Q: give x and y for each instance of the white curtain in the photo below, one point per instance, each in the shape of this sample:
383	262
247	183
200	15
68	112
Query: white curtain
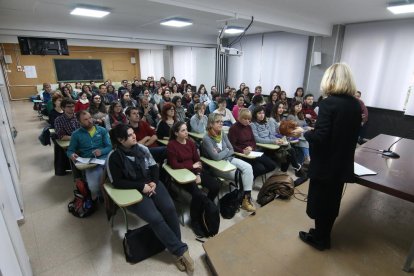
151	63
381	56
269	59
196	65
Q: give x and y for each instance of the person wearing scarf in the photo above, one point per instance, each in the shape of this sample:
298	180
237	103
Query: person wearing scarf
131	166
115	116
82	103
217	146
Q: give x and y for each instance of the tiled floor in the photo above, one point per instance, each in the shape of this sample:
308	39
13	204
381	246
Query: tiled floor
371	237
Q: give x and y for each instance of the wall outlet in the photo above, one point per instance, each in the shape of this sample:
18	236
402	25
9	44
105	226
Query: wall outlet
19	68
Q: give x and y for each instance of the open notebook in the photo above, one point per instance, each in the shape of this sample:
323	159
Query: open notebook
361	170
90	161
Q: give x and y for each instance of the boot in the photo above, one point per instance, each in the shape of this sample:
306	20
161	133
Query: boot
185	262
247	204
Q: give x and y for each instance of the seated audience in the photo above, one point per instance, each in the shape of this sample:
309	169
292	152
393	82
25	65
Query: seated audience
82	103
271	103
46	93
158	97
127	101
179	109
190	109
175	92
228	118
242	139
298	96
166	98
308	109
212	106
106	97
112	91
145	135
87	90
296	115
186	99
256	102
198	121
182	154
231	99
204	97
97	109
264	131
65	92
57	109
90	141
239	105
122	89
66	124
247	96
216	146
284	100
115	116
168	118
149	112
241	87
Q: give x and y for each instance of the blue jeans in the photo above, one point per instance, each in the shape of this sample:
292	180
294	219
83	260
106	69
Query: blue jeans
94	177
159	154
159	211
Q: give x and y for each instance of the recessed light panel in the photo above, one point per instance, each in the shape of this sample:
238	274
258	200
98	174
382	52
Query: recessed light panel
83	11
177	22
401	7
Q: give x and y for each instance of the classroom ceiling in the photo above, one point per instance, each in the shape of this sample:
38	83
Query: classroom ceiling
137	21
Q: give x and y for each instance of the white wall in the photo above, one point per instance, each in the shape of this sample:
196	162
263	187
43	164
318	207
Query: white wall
196	65
381	56
268	60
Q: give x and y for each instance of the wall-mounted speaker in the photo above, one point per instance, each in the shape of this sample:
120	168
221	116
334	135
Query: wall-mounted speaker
317	58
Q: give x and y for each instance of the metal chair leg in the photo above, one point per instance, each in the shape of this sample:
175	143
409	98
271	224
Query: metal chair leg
125	218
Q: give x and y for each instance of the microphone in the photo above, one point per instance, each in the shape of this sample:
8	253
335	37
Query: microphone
389	153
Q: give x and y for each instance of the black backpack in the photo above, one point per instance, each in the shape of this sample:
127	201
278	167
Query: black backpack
44	137
82	205
205	216
230	203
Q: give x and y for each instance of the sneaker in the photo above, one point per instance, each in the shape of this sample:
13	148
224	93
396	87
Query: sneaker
299	181
247	204
185	262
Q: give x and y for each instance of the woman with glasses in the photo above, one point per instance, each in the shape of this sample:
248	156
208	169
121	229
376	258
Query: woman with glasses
228	118
115	116
168	118
97	109
182	154
217	146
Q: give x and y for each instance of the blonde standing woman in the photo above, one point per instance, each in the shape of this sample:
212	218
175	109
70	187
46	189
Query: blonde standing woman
332	148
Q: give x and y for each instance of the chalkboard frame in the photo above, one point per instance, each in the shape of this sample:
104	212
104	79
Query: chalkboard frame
98	76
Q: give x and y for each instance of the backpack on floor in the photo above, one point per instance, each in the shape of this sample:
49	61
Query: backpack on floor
205	216
278	185
44	137
82	205
230	203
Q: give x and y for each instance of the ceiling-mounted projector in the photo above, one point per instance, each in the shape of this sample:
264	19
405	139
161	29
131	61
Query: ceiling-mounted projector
230	51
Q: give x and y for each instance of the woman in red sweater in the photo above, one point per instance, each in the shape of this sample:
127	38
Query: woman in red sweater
182	154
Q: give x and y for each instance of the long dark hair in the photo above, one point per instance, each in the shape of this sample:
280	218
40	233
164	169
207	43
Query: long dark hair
292	110
274	114
175	128
93	109
119	132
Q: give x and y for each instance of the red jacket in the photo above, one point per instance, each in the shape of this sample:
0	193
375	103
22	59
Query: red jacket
241	136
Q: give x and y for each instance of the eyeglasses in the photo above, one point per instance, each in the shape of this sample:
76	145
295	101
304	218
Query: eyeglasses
219	122
172	109
97	98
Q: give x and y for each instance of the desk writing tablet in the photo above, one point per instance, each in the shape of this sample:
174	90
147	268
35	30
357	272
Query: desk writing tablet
221	165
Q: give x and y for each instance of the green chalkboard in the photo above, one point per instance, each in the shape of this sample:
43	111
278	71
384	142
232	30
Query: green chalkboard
71	70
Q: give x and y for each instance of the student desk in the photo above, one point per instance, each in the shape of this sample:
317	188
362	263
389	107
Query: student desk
64	144
181	176
195	135
394	176
163	141
221	165
268	146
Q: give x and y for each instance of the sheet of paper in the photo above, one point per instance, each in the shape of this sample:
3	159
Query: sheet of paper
361	170
83	160
255	154
97	161
30	72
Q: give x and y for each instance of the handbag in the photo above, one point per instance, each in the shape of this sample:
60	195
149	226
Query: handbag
140	244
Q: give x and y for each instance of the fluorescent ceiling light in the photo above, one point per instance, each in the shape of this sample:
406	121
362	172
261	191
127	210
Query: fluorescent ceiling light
401	7
233	30
89	11
177	22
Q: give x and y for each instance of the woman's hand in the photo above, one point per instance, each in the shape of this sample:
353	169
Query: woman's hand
197	165
297	132
247	150
279	141
198	179
147	189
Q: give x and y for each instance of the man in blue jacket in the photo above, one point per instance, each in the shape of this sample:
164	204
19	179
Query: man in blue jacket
90	141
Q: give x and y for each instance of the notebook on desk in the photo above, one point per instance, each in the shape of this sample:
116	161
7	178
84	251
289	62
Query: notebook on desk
90	161
360	170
